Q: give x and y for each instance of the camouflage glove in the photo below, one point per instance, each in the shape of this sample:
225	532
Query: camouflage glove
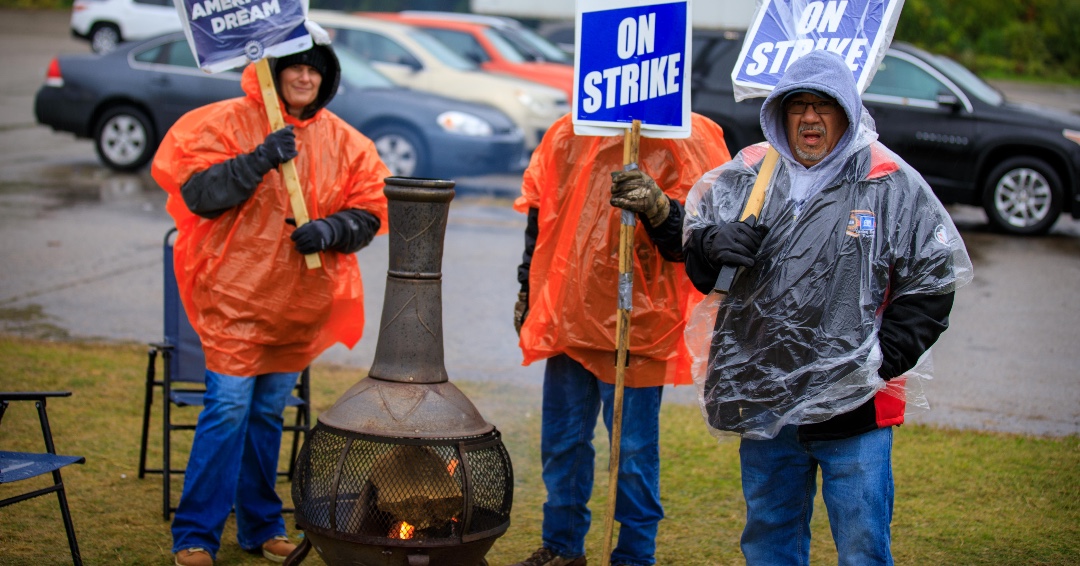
637	192
521	308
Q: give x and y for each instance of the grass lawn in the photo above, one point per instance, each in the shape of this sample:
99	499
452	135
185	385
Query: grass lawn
961	497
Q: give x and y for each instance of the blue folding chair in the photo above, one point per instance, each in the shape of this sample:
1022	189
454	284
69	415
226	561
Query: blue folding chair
18	466
185	366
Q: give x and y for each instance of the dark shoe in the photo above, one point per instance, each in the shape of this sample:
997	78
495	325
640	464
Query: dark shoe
277	549
547	557
193	557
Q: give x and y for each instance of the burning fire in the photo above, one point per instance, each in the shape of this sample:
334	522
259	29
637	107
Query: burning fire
452	466
402	531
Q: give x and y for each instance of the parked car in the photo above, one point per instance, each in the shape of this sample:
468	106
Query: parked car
106	23
531	44
126	100
413	58
489	45
1019	162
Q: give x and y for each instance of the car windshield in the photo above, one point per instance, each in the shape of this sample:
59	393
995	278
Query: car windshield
504	47
531	45
359	73
968	80
441	51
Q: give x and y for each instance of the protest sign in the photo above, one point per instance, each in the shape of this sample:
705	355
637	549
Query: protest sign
225	34
631	63
784	30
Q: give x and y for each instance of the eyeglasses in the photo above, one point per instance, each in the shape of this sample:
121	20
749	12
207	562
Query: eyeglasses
820	107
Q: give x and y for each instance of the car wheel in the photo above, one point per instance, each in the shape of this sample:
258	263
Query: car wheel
401	150
124	138
104	38
1023	196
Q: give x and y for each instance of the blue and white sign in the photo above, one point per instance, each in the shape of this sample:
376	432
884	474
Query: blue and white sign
225	34
784	30
632	63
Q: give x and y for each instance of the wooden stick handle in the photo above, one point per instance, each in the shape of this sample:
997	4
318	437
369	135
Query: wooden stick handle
288	169
750	214
631	146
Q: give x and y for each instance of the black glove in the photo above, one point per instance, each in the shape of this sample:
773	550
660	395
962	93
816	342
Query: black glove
278	147
521	308
734	243
313	237
637	192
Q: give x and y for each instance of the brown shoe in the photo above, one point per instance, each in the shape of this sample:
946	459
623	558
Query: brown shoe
277	549
193	557
546	557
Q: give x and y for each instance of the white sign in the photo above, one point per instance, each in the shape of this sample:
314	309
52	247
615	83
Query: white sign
632	63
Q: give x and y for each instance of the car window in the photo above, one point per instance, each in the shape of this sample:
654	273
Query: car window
535	41
968	80
896	77
504	47
461	42
179	54
374	47
357	72
440	51
155	54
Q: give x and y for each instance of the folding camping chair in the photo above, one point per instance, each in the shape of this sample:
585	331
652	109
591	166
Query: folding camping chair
183	385
17	466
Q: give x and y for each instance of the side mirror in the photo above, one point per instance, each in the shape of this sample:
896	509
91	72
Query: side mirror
948	100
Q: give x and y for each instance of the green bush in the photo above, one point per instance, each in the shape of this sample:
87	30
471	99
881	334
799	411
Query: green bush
1032	39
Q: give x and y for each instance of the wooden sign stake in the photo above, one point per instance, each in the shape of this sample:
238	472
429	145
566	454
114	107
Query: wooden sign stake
288	169
631	145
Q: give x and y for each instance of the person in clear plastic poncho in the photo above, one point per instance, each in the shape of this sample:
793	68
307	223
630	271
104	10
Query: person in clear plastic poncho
573	191
846	281
261	314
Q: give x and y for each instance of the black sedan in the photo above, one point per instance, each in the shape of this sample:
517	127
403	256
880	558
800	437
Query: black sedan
1020	163
126	100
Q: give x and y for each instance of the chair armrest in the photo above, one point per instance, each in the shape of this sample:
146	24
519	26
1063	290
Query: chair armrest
31	395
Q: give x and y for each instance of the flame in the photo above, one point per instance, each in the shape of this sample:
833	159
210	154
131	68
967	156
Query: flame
402	530
452	466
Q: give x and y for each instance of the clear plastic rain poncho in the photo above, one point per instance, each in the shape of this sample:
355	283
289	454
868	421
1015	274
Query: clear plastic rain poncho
795	341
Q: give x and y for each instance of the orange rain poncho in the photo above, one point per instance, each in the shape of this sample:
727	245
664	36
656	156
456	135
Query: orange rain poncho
574	277
246	289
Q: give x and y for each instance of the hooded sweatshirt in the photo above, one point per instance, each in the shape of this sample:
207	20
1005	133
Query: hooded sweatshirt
851	285
245	288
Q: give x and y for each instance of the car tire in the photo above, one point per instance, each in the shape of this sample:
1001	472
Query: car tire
401	150
104	38
1023	195
124	138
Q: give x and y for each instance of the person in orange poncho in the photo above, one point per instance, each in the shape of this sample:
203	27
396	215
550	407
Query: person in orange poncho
262	315
572	192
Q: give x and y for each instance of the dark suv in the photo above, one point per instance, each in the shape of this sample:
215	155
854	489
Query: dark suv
1020	163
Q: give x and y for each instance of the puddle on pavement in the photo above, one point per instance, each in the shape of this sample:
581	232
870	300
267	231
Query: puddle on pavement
57	192
30	322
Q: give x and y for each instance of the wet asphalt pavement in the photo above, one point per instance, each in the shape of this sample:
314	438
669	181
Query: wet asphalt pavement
81	249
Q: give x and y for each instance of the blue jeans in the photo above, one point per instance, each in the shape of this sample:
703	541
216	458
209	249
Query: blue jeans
233	463
571	404
779	478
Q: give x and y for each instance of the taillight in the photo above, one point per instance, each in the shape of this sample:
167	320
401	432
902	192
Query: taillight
52	76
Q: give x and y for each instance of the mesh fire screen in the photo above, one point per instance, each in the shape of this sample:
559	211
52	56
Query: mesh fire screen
403	492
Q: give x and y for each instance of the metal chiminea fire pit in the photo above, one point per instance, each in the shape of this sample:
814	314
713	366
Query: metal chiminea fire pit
403	470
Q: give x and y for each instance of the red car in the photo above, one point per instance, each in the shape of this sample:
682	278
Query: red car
489	43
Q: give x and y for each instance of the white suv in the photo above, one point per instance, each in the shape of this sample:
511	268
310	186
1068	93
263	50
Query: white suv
104	23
